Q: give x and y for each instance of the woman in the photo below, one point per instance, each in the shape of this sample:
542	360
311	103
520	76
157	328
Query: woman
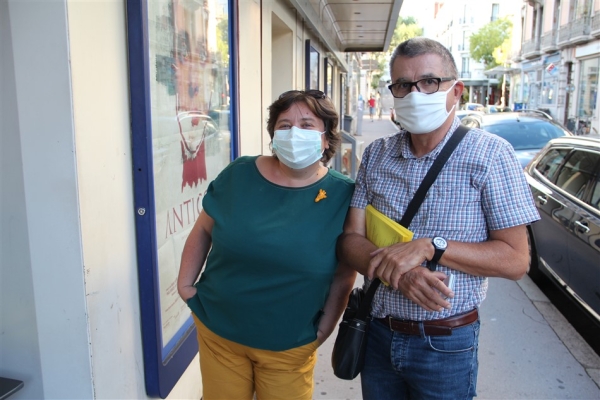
272	290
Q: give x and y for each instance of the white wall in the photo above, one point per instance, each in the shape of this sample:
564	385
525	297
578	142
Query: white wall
252	114
19	350
98	44
42	121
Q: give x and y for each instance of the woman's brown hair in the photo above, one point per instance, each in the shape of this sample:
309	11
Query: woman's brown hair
320	105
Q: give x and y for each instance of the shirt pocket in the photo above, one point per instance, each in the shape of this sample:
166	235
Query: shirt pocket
456	209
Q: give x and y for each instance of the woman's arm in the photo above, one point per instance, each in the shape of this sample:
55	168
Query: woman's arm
343	282
194	254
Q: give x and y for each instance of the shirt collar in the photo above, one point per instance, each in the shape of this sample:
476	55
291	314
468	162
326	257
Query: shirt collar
402	147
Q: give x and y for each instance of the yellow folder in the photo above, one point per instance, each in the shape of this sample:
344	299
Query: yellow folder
383	231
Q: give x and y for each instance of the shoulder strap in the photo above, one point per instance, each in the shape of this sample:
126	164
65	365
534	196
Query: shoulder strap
432	174
416	201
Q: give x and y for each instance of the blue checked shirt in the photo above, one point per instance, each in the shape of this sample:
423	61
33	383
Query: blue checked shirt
481	188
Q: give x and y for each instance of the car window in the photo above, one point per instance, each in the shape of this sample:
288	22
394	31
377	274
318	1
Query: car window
524	136
550	162
575	174
595	198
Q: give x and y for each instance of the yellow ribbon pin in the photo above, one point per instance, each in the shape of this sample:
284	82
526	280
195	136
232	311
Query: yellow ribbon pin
322	195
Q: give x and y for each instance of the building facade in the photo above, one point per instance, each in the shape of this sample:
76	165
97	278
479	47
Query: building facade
454	22
559	61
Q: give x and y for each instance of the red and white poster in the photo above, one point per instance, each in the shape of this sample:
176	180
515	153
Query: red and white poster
191	138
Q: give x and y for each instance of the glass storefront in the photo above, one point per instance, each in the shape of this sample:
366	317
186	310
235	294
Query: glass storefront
588	89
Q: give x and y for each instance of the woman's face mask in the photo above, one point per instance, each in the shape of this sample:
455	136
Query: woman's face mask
297	148
422	113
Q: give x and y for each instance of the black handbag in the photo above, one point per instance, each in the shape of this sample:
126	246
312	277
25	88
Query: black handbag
348	356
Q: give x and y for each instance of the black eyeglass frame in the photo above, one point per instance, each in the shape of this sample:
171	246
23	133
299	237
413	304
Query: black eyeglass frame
317	94
415	84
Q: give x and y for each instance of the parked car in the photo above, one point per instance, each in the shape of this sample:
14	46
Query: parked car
473	107
527	132
463	113
565	244
490	109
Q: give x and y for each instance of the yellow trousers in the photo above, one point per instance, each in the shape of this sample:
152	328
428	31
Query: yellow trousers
231	371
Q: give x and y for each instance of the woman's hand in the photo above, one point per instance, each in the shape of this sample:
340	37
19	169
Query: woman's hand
187	292
194	255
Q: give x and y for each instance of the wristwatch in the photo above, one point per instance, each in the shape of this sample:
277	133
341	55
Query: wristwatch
439	244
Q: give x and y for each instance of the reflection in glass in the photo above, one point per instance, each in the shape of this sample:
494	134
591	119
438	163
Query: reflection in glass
588	88
191	138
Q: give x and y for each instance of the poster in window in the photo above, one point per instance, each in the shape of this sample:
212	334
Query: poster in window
180	98
312	67
328	78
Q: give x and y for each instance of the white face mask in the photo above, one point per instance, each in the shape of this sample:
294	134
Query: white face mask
297	148
422	113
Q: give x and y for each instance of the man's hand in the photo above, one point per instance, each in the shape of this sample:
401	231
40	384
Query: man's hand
390	263
426	288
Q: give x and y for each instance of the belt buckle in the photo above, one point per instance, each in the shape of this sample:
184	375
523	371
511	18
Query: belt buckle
389	323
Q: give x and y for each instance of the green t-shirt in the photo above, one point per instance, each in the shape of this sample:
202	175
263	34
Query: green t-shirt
272	259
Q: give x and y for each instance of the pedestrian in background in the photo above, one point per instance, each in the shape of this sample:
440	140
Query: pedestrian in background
272	290
360	110
422	343
371	107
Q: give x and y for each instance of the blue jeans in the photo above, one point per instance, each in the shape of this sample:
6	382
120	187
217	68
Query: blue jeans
400	366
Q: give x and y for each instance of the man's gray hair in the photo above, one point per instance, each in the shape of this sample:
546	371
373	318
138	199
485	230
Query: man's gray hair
420	45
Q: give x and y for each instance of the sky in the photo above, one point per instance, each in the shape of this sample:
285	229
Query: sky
415	8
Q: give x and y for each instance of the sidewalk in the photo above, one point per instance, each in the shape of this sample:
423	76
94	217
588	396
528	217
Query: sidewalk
527	349
374	130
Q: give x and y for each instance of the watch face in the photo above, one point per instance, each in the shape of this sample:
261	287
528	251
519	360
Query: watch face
440	242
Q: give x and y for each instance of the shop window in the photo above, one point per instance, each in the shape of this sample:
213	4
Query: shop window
181	90
588	88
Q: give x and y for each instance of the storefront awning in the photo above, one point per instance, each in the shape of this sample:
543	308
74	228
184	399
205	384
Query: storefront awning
350	25
500	70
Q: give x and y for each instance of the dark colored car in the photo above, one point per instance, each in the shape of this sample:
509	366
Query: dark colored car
527	132
565	244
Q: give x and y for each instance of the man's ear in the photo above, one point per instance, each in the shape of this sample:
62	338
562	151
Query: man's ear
459	87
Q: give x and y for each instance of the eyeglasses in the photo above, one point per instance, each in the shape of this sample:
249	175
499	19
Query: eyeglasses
427	86
317	94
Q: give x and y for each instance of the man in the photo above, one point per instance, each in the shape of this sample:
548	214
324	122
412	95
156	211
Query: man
371	107
422	343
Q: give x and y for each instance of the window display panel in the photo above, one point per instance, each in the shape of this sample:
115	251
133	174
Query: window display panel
182	139
588	88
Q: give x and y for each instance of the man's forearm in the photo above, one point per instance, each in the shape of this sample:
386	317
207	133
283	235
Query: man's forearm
355	250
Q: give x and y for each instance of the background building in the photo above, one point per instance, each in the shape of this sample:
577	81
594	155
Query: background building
453	23
559	61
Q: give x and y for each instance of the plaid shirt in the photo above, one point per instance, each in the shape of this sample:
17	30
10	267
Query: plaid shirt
481	188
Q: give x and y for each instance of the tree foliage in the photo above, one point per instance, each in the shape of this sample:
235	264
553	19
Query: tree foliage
489	39
406	28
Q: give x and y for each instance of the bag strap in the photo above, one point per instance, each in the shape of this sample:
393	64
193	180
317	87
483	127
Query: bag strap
432	174
418	198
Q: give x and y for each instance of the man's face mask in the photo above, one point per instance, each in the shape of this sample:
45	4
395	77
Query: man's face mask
422	113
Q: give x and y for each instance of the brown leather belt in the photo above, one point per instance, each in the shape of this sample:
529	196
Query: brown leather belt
435	327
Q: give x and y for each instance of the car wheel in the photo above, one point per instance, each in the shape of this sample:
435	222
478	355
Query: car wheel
534	260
